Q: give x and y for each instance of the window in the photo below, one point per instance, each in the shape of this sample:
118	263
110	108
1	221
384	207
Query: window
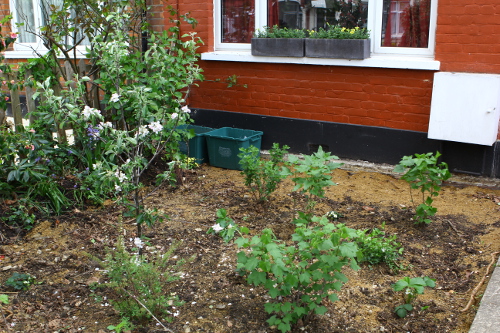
397	26
34	14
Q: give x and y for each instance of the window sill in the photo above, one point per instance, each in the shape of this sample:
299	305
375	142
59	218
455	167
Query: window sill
380	61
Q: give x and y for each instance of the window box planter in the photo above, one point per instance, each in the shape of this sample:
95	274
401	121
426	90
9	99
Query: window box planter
337	48
278	47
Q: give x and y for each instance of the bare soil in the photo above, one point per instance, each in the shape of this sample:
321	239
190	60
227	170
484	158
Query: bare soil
455	250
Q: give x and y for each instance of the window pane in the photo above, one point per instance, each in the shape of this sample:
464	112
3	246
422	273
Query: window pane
405	23
25	14
238	21
314	14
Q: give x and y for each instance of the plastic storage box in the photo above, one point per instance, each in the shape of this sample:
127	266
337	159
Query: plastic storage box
196	147
224	145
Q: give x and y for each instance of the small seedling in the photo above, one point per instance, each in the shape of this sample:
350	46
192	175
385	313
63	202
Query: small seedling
412	288
20	281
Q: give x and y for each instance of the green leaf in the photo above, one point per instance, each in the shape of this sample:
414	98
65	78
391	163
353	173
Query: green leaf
4	299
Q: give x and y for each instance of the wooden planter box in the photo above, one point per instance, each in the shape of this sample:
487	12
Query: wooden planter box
338	48
278	47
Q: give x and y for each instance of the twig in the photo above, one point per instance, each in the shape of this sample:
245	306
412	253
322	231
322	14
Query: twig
5	318
152	315
454	228
474	292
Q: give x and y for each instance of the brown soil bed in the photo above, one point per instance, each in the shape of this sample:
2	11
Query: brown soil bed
455	250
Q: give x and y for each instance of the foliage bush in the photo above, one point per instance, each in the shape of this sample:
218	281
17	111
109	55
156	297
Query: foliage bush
262	176
311	174
300	274
423	173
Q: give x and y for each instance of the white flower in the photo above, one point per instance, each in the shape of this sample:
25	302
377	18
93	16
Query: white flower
155	126
88	112
185	109
115	98
216	227
118	188
143	131
230	226
120	175
102	125
138	242
174	115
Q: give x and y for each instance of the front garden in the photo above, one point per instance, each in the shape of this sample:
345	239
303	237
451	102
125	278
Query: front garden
107	226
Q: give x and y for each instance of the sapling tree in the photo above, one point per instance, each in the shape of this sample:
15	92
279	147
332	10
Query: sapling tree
423	173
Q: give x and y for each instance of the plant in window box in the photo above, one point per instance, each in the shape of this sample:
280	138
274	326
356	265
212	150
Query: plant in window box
278	42
338	42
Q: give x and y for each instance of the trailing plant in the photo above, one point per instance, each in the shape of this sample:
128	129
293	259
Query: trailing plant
20	281
140	284
262	176
312	174
298	275
21	216
337	32
411	287
377	248
277	32
423	173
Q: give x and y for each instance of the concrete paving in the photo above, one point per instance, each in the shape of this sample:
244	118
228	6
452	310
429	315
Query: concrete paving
487	318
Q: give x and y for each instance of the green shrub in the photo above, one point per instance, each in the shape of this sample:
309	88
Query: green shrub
423	173
262	176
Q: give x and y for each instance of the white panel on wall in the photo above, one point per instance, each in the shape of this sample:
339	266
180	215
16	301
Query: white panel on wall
465	108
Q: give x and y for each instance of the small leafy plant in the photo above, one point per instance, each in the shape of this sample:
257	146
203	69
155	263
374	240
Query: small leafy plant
423	172
20	281
262	176
300	275
141	285
312	174
124	325
412	287
378	248
277	32
337	32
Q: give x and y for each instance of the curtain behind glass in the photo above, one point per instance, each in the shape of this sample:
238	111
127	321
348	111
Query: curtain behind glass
406	23
25	15
238	21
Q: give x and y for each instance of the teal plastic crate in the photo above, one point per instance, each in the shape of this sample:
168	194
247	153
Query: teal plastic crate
224	145
195	147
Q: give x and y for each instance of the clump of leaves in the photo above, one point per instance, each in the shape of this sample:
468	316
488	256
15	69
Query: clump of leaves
423	173
20	281
377	247
312	174
411	287
262	176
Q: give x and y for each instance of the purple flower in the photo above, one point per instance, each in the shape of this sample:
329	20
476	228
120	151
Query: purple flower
93	133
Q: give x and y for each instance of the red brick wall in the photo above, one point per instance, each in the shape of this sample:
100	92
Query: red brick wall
468	36
467	40
366	96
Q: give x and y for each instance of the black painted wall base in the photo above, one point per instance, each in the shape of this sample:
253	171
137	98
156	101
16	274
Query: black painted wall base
373	144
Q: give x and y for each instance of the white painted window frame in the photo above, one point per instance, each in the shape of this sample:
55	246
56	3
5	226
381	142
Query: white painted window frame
375	12
30	50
